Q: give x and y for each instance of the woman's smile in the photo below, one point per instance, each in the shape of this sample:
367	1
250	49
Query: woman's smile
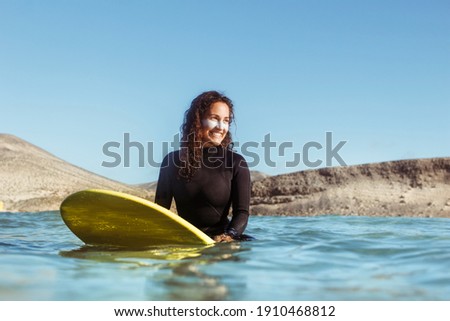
216	124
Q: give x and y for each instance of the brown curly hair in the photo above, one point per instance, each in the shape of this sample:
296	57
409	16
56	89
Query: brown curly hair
191	134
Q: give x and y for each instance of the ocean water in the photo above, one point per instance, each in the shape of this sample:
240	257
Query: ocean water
293	258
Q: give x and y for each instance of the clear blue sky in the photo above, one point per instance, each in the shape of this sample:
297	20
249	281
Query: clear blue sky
75	75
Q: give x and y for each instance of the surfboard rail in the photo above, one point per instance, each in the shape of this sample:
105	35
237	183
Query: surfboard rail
104	217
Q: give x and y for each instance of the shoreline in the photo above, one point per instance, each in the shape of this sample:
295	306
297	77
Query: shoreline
33	180
412	188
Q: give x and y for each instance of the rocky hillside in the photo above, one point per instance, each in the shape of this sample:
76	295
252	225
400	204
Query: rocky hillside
399	188
32	179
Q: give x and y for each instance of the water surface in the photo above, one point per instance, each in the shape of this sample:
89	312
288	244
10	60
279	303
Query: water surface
293	258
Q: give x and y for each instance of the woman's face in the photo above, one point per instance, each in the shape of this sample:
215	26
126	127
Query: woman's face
215	124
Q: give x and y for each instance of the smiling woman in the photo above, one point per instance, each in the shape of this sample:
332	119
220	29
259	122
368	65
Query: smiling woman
205	177
216	124
201	129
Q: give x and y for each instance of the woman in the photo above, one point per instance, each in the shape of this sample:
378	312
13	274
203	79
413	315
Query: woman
205	177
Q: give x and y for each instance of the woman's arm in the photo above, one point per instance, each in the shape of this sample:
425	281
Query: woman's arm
240	197
164	193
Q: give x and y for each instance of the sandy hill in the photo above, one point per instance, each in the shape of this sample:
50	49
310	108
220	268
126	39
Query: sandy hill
399	188
148	186
254	175
32	179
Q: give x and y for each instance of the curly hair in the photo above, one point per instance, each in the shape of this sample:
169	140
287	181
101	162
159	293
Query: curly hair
191	133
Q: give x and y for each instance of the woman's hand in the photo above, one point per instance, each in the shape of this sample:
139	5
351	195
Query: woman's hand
221	238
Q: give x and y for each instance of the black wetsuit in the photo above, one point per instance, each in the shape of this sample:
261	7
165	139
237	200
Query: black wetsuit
222	181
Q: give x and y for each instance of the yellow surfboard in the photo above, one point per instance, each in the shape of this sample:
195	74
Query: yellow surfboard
101	217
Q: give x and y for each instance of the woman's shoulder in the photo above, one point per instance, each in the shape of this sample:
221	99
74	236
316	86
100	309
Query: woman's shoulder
234	154
171	157
237	159
172	154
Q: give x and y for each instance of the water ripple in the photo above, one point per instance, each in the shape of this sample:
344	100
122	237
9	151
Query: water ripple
293	258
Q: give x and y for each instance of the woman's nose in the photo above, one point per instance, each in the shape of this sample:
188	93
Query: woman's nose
222	125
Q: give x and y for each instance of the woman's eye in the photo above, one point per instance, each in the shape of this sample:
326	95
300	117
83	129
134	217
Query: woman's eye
217	120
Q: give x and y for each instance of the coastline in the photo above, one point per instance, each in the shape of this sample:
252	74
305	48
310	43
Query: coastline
33	180
412	188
